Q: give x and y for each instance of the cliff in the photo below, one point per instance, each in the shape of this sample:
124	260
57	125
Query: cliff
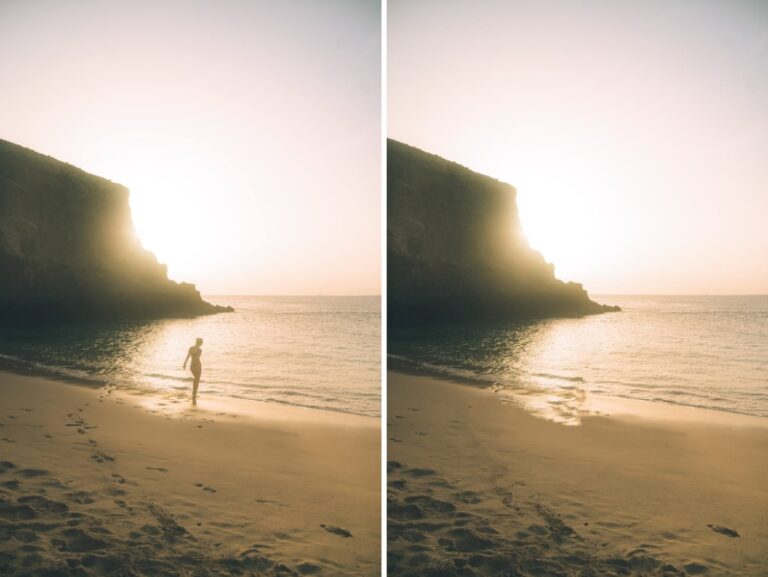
68	250
456	250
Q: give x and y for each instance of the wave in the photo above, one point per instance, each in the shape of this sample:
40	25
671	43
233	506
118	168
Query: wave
423	367
559	377
524	385
15	363
270	394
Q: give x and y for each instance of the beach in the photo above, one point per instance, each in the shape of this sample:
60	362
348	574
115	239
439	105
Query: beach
100	481
480	487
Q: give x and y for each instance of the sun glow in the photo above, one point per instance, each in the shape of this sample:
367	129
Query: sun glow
162	199
178	201
636	140
564	213
247	134
170	216
570	230
555	226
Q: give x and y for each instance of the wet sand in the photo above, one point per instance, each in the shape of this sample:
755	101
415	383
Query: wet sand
97	482
480	487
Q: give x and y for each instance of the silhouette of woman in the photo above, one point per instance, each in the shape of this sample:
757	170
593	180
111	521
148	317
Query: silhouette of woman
194	353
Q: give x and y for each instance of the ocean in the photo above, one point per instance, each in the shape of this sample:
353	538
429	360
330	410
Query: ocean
697	351
318	352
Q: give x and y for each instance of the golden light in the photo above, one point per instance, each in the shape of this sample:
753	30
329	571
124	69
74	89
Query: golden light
179	201
564	213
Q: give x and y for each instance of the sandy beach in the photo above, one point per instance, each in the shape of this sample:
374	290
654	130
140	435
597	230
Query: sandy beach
94	481
481	487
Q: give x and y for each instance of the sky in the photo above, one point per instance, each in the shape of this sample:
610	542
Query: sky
635	131
248	131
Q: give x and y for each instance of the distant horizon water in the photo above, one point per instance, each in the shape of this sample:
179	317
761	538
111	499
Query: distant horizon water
700	351
320	352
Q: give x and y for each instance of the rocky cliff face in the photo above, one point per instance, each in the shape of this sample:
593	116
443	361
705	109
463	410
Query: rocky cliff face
68	248
455	248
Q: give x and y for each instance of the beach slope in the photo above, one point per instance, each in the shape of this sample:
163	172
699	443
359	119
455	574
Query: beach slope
96	482
477	487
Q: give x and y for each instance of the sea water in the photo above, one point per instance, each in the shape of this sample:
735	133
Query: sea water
698	351
320	352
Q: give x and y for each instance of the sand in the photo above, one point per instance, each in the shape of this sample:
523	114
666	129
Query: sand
481	487
97	482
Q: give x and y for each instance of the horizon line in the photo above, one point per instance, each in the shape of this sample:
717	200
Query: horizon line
286	295
601	294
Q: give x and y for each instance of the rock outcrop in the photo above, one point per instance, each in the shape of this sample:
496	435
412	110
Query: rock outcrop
456	250
68	250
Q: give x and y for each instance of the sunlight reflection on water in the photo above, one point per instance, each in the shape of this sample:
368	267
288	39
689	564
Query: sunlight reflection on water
709	352
321	352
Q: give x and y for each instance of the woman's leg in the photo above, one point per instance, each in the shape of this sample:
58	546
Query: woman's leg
195	384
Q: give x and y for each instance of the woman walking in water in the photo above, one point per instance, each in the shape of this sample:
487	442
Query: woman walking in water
194	352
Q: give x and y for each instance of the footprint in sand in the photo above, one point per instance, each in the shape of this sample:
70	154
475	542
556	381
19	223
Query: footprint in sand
100	457
555	525
76	422
13	512
6	466
398	485
430	505
119	478
158	469
29	473
695	568
470	497
7	440
269	502
78	541
205	488
41	503
123	505
336	530
417	472
724	530
81	497
116	492
171	530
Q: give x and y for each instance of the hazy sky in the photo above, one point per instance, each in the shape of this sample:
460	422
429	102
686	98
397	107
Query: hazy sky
247	131
636	131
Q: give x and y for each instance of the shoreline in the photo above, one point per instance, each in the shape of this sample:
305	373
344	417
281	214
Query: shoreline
482	486
93	479
16	366
597	403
